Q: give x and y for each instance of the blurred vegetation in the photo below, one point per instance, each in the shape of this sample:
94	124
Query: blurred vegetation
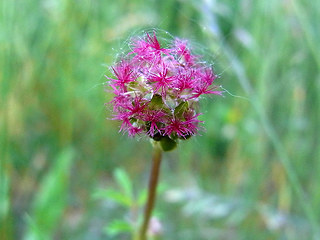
254	173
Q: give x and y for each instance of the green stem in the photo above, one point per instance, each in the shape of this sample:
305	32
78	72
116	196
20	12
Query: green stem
153	183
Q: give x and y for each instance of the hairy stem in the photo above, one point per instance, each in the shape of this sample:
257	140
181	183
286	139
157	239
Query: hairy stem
153	183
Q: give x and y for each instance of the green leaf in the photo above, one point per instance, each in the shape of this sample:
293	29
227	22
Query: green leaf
180	109
156	102
117	227
124	182
114	195
167	144
50	201
4	194
142	198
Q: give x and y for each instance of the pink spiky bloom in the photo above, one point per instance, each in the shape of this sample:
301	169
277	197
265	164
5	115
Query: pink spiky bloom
157	89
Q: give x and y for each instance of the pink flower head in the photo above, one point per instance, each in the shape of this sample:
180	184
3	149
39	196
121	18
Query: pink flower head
123	73
157	89
183	52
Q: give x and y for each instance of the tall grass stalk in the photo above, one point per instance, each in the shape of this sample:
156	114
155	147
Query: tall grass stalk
240	72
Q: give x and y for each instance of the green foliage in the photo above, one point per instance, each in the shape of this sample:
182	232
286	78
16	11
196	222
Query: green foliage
180	109
50	202
117	227
168	144
4	195
259	155
124	195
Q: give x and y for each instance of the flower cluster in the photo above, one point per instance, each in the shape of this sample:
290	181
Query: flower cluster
157	89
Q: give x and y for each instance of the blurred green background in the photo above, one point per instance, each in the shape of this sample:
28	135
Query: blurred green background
253	174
